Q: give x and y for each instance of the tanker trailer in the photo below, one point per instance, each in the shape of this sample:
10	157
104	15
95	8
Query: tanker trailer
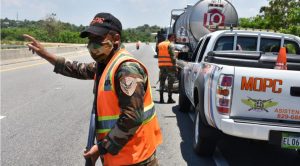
195	21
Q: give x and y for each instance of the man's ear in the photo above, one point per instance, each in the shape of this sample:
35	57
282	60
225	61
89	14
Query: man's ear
117	38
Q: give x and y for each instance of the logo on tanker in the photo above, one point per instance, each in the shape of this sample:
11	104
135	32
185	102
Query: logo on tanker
214	18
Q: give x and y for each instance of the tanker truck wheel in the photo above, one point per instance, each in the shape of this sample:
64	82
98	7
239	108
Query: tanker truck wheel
184	102
205	137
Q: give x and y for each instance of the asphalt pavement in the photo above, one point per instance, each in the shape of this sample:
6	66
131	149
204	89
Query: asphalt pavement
45	118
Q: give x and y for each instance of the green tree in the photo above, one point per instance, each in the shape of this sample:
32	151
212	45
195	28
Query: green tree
279	15
52	30
140	33
52	26
68	36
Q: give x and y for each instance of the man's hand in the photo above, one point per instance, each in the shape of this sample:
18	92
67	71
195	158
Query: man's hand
176	53
93	153
36	47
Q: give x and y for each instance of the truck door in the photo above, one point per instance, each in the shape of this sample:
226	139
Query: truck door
189	68
195	68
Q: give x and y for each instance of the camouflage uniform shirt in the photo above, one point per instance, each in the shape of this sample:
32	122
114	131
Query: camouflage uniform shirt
132	107
171	49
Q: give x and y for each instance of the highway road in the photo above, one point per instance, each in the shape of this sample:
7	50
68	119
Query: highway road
45	118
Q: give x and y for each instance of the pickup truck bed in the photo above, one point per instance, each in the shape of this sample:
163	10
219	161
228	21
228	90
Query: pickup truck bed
238	92
251	59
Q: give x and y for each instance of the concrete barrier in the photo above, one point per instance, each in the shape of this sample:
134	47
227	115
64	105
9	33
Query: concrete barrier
9	54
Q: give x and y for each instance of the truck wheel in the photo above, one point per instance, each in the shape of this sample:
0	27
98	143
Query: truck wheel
184	102
205	137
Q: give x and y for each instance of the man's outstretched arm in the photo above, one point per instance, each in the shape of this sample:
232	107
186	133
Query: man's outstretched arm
63	66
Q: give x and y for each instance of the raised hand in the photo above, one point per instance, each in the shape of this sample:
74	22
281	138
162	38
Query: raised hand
36	47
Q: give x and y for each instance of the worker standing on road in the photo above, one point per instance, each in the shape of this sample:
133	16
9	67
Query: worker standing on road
128	132
138	44
167	66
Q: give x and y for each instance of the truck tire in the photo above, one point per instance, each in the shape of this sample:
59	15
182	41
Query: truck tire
184	102
205	137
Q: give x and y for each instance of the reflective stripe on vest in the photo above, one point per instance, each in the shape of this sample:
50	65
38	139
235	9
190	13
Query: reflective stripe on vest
107	122
164	57
147	137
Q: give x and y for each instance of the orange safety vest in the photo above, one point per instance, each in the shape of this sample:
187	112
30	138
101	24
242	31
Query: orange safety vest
143	144
164	57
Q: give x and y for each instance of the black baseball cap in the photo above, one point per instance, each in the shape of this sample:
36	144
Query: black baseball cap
101	24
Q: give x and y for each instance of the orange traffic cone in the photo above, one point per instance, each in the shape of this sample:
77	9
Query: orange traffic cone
281	59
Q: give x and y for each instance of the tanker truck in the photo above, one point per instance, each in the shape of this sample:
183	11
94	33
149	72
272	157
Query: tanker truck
195	21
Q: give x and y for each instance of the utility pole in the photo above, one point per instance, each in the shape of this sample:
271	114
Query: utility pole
17	21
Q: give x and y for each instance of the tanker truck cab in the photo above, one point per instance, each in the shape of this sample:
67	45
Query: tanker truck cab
234	89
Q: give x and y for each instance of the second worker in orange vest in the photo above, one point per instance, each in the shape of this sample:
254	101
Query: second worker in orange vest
128	132
167	66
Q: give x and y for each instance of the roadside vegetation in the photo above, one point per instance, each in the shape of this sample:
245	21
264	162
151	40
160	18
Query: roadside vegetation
280	15
52	30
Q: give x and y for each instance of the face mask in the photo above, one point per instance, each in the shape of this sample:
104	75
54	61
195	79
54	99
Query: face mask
100	52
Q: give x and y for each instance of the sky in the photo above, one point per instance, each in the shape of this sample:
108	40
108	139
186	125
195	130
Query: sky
131	13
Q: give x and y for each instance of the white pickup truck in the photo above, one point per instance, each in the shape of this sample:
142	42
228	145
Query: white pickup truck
231	85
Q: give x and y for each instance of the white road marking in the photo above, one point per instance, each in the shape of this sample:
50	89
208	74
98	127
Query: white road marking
1	117
21	67
36	64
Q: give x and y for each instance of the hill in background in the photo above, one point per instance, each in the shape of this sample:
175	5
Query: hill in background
52	30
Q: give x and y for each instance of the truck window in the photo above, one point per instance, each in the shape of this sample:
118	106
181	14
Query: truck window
224	43
196	51
269	45
203	49
291	47
246	43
